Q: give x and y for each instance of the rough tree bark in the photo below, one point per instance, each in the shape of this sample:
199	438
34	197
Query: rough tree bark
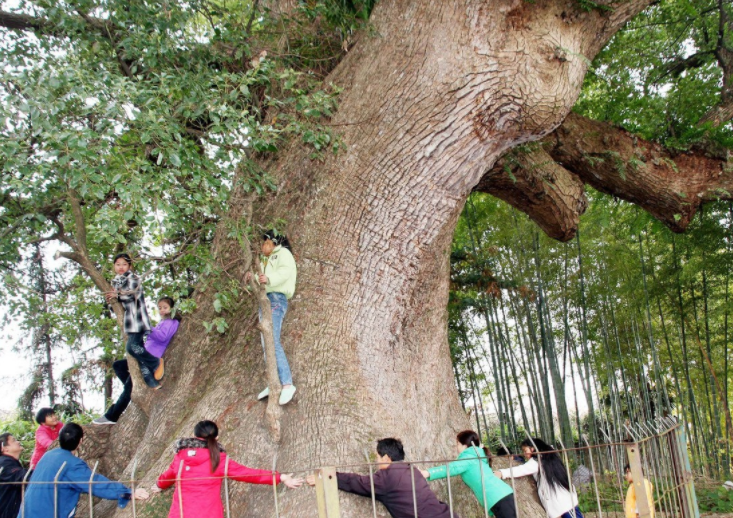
433	95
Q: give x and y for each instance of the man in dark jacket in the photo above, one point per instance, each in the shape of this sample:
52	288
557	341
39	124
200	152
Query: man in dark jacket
393	485
11	476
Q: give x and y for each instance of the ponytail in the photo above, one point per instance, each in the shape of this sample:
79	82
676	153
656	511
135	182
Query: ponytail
469	438
208	431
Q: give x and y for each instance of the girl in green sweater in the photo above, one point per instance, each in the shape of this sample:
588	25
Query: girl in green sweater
473	467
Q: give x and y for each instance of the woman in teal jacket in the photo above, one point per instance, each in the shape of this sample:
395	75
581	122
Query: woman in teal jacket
472	465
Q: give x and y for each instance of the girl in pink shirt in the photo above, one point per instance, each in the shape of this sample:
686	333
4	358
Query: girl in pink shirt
48	430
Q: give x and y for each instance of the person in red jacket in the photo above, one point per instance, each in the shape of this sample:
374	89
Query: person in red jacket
48	430
202	464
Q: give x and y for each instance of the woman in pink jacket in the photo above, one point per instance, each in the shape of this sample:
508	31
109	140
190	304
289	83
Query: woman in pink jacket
204	462
48	430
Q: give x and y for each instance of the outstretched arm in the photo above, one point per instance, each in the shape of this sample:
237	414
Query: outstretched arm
360	484
457	467
79	476
531	467
168	477
242	473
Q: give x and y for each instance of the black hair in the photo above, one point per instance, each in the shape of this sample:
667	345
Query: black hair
392	448
277	238
168	300
171	303
470	438
70	436
43	413
627	468
123	255
551	465
4	440
501	451
208	431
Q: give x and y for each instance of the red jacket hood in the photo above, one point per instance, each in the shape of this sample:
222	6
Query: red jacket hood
194	457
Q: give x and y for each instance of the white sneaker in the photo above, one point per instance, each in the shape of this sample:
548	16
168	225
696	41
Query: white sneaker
102	420
264	393
287	394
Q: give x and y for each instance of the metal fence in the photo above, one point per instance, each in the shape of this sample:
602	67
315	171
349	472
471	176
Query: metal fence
657	453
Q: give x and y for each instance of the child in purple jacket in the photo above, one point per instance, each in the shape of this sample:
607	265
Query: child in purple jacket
155	342
160	336
150	361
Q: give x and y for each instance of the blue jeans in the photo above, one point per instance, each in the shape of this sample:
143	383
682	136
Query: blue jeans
279	306
148	363
570	514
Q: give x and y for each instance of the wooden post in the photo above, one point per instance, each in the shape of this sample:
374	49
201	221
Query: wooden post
642	502
327	493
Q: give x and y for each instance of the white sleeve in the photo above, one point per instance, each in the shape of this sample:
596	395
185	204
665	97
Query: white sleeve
528	468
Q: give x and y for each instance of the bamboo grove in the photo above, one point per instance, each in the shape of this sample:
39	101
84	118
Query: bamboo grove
625	323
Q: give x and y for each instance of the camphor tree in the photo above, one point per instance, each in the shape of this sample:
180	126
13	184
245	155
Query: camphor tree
136	125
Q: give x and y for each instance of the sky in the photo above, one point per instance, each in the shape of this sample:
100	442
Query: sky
15	374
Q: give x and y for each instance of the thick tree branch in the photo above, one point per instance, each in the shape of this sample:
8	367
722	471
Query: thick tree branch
680	64
79	222
670	187
719	114
531	181
27	22
547	182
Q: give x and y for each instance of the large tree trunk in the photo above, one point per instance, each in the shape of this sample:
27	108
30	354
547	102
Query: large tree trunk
433	94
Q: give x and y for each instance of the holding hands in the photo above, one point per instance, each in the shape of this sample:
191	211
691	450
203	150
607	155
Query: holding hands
141	494
290	481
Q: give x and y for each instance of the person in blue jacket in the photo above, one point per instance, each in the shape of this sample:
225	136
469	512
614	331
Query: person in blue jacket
73	479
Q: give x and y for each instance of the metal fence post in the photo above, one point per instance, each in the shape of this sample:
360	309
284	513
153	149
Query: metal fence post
414	494
694	510
327	496
180	489
56	491
450	493
132	486
91	491
642	502
570	478
371	483
671	461
274	485
483	482
511	469
593	471
226	484
22	494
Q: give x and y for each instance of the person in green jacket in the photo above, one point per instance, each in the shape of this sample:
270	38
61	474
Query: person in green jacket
473	467
279	275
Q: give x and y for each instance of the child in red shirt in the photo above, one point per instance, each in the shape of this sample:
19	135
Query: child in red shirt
48	430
